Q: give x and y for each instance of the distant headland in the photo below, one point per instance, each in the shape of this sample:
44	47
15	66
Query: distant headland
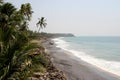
54	35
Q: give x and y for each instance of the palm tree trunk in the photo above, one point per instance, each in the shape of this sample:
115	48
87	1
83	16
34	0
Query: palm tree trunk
38	30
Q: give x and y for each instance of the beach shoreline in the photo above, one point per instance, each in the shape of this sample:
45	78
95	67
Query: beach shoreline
74	69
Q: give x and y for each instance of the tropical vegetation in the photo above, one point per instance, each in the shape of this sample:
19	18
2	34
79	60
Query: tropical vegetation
41	23
15	47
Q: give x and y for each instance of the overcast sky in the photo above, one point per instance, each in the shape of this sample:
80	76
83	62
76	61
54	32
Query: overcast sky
80	17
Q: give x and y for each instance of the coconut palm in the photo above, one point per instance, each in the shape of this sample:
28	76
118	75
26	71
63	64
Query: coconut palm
6	11
1	1
12	38
6	36
26	10
41	23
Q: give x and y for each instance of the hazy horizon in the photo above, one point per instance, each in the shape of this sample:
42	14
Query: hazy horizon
80	17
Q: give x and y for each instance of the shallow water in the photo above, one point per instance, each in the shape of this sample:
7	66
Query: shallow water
103	52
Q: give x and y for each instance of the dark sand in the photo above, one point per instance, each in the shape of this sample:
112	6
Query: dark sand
74	69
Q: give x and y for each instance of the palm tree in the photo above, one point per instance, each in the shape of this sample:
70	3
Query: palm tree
12	38
41	23
26	10
1	1
6	37
29	11
7	9
6	24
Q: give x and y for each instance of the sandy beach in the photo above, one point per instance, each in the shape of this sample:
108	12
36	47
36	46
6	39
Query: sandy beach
75	69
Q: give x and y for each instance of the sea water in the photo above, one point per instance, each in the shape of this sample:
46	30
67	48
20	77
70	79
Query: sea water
103	52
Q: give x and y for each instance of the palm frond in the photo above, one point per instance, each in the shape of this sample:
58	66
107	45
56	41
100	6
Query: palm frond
41	23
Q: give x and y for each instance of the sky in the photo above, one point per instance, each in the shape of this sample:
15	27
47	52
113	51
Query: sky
80	17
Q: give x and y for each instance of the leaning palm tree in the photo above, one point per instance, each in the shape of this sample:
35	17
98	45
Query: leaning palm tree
41	23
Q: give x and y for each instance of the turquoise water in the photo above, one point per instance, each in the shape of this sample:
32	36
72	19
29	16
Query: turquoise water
107	48
103	52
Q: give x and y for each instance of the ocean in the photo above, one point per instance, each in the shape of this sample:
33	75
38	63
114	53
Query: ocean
103	52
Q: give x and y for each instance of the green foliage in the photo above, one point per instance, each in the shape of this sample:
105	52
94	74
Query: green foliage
40	59
17	60
26	10
28	64
1	1
13	37
7	9
41	23
38	68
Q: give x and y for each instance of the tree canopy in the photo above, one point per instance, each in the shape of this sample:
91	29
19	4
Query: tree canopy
13	36
41	23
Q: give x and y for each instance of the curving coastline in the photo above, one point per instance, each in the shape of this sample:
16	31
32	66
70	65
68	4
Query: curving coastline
76	70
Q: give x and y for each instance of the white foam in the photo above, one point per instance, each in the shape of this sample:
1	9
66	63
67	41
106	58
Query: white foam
110	66
61	43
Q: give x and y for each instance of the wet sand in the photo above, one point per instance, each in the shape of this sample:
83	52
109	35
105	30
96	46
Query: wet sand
75	69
